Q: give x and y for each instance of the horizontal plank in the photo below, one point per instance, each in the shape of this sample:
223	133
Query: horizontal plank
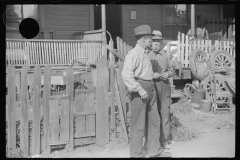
146	21
67	18
64	33
66	23
145	8
67	28
67	7
84	141
64	37
84	113
90	32
59	97
67	13
51	40
85	135
131	26
116	53
57	143
84	91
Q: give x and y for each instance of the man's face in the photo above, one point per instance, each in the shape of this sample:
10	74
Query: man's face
147	41
156	44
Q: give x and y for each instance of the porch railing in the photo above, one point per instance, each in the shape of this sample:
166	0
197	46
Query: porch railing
52	52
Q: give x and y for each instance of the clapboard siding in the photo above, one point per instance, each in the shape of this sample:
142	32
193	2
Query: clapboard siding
67	13
145	14
66	23
67	28
67	18
64	20
68	7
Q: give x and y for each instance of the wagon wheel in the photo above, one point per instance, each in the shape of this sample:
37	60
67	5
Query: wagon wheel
221	58
197	55
189	90
220	85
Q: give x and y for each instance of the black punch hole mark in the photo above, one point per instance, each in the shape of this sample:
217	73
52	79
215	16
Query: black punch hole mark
29	28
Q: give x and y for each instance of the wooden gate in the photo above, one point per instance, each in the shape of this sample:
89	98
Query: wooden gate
59	120
85	117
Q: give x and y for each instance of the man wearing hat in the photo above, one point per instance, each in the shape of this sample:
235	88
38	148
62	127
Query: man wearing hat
161	64
137	75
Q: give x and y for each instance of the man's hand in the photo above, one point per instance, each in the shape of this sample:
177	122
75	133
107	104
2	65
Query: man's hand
164	76
156	75
143	94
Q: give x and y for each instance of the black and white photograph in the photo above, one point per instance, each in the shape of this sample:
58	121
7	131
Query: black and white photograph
120	80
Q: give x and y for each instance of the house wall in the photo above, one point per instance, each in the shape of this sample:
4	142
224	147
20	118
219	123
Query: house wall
61	21
145	14
64	20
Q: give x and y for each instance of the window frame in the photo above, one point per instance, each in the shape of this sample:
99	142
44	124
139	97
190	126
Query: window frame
17	19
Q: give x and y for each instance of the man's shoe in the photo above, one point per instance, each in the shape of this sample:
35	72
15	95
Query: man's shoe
163	154
167	146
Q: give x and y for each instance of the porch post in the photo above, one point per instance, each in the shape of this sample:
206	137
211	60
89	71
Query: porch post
104	23
193	19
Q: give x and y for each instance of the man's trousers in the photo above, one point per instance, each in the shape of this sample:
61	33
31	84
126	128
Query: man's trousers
144	117
163	94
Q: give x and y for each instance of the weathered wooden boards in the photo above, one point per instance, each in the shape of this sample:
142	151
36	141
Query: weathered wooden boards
36	111
59	120
11	109
85	113
46	94
112	90
24	134
102	120
70	91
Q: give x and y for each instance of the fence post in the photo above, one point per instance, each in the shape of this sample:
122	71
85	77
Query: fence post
70	91
11	107
36	111
178	47
102	117
182	50
112	73
24	130
46	94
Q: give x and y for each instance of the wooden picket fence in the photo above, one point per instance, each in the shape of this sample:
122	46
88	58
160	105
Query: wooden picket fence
186	46
117	86
38	120
53	52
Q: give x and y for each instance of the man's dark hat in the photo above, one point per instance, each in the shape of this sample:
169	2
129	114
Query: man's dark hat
143	30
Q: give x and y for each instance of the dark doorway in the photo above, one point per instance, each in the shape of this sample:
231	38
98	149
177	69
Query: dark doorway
229	11
113	21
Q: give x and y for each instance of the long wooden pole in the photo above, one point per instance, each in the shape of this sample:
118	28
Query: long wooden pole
103	9
193	19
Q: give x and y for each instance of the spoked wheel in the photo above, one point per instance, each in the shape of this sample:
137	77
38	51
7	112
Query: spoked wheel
189	90
197	62
221	58
220	85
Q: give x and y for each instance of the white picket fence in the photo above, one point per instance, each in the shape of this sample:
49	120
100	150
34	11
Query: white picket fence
185	47
52	52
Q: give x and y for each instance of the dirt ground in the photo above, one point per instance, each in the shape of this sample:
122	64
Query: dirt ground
216	138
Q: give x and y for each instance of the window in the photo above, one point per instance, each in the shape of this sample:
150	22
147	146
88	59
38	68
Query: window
174	20
16	13
176	14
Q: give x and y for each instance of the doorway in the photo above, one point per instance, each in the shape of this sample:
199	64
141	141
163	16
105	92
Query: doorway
113	21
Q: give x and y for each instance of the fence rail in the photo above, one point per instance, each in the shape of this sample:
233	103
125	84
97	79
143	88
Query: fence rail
52	52
186	46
